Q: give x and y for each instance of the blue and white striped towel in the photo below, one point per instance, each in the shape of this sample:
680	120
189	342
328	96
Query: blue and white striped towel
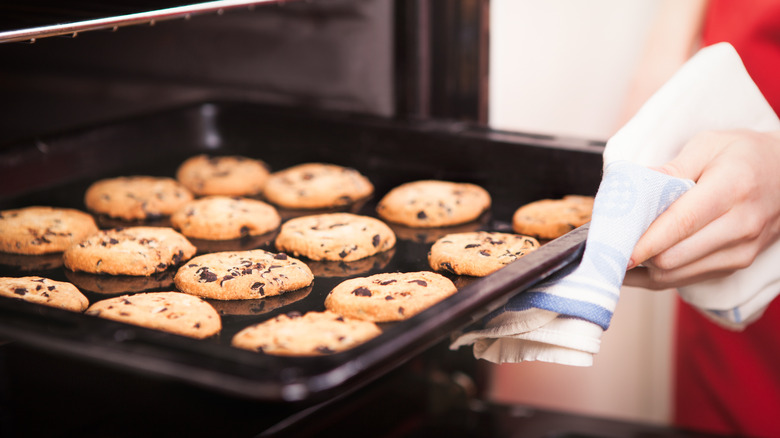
573	308
563	319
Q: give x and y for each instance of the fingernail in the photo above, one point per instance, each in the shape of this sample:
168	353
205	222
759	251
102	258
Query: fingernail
631	264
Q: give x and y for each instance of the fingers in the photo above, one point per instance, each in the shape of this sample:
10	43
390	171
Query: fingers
701	205
716	265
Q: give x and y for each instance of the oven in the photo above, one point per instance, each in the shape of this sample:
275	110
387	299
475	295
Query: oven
393	89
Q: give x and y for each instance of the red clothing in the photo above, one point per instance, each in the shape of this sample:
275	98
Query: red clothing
729	382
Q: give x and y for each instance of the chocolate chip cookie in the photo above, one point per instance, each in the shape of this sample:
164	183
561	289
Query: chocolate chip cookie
335	236
42	230
172	312
136	197
223	217
317	185
551	218
478	253
129	251
242	275
229	175
44	291
389	296
312	334
433	203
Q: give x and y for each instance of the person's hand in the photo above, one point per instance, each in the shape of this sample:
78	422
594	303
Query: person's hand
721	224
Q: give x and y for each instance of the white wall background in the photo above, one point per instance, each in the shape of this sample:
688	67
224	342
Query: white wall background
562	67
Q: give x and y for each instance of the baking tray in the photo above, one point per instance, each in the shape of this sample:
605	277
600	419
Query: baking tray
56	169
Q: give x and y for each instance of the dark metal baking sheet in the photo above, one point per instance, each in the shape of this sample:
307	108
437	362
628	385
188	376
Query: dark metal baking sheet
56	169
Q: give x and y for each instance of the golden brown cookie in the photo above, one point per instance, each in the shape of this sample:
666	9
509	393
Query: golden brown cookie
316	185
43	230
478	253
551	218
223	217
335	236
313	334
44	291
391	296
136	197
433	203
129	251
229	175
242	275
172	312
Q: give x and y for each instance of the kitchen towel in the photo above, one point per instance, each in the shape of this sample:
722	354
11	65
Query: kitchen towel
562	319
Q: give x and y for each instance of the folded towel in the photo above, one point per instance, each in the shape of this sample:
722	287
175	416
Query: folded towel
562	319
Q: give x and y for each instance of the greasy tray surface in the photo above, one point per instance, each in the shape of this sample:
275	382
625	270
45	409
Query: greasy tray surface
57	169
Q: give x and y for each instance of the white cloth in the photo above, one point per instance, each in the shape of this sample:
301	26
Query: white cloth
562	319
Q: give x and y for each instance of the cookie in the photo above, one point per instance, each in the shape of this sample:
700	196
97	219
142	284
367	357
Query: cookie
43	230
335	236
223	217
172	312
313	334
136	197
129	251
316	185
479	253
551	218
389	296
232	175
433	203
242	275
44	291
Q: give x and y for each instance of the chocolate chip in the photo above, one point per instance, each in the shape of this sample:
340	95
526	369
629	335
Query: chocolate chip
422	283
362	291
447	267
400	310
20	291
485	253
421	215
206	276
386	282
375	240
389	297
471	245
344	253
244	230
258	287
280	256
226	278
